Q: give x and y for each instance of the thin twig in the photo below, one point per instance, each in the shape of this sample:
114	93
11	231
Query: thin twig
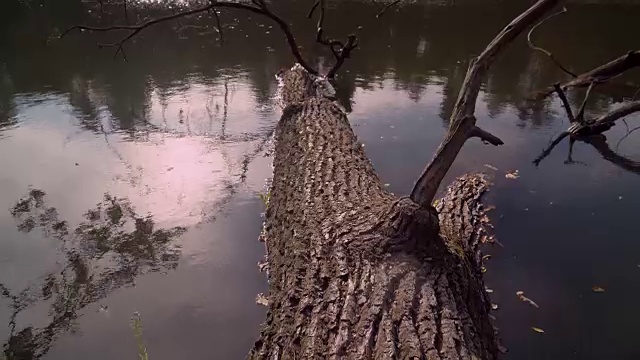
219	27
313	9
259	8
384	9
138	28
625	136
339	50
126	11
546	52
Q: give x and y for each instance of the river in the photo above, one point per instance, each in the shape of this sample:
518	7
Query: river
134	187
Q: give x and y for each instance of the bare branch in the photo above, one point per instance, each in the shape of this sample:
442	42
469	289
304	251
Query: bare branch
622	111
219	26
601	74
259	8
486	136
462	123
544	51
565	101
384	9
343	54
340	51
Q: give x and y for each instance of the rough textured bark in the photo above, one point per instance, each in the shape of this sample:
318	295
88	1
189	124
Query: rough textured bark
354	272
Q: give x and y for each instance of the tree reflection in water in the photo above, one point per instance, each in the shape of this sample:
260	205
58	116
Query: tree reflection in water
110	248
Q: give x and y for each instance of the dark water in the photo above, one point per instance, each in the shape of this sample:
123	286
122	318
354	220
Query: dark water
134	186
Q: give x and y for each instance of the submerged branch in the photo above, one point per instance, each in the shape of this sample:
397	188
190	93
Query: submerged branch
591	132
546	152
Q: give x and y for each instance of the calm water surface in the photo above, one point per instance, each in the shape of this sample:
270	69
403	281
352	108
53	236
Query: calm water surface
134	186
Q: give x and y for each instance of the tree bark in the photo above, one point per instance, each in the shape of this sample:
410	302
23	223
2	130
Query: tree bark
355	273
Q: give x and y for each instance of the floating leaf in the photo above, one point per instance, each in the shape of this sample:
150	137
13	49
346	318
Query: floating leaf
597	289
489	208
483	269
486	257
262	300
488	290
491	167
537	329
263	265
520	295
494	306
512	174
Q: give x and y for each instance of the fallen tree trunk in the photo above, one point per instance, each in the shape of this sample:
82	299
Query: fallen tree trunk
355	272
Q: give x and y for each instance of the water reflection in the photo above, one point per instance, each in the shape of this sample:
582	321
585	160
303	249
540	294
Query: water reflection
420	50
178	129
108	250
